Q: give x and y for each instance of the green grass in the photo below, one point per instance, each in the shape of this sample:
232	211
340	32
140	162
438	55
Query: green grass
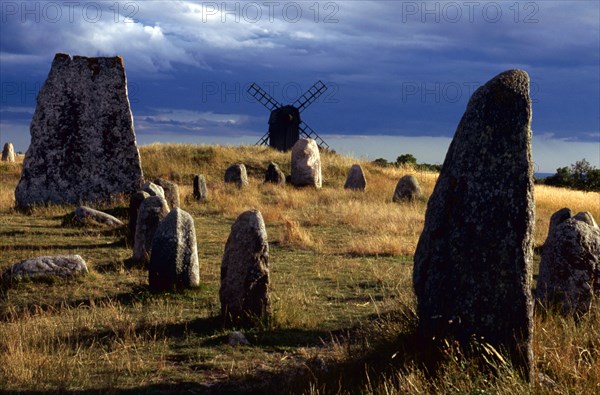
343	307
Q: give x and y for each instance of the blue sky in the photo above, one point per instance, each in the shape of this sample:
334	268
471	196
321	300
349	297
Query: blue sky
399	73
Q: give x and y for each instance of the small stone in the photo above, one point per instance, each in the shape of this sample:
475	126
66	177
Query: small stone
237	338
174	257
569	274
171	191
65	266
84	215
8	153
83	146
236	174
152	210
274	174
559	217
153	189
200	190
135	201
356	179
306	164
407	189
244	292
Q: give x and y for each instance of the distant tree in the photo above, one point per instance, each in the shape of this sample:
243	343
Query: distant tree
406	159
381	162
581	175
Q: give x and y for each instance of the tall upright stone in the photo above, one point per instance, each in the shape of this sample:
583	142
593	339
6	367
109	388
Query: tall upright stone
135	201
244	292
274	175
8	153
200	190
473	263
356	179
152	210
407	189
569	275
174	257
306	164
83	146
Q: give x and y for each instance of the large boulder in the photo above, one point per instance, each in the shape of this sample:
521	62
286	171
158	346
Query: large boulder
306	164
135	201
473	263
171	191
274	174
244	292
569	274
236	174
85	216
356	179
407	189
8	153
174	258
152	210
65	266
83	146
200	190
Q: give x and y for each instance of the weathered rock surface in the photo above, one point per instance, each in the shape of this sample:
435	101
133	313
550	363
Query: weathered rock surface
244	292
236	174
473	263
83	145
407	189
85	215
559	217
274	174
174	258
306	164
46	266
171	191
153	189
8	153
200	189
569	272
356	179
152	210
135	201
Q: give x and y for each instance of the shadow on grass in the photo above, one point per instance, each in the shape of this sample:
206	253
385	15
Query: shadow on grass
121	243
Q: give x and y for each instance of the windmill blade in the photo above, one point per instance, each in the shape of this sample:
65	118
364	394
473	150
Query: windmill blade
264	140
308	132
263	97
310	96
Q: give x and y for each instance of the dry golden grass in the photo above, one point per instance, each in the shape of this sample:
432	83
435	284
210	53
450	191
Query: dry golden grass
341	268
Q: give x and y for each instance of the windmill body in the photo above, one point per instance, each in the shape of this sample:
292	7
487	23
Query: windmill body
285	124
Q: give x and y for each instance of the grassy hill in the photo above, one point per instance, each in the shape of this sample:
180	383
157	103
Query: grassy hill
343	306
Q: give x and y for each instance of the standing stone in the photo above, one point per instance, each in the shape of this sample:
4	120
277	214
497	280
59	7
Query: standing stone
174	258
8	153
135	201
274	174
85	215
473	263
244	292
306	164
171	191
153	190
152	210
569	273
407	189
356	179
83	145
200	190
236	174
65	266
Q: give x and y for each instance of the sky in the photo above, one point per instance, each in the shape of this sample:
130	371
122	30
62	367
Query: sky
399	73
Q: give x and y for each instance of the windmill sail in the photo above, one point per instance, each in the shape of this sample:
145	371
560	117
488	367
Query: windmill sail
263	97
310	96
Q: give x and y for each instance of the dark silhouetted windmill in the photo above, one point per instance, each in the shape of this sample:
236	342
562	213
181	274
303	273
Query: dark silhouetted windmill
285	125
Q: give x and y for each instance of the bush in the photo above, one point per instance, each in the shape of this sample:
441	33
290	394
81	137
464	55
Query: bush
581	175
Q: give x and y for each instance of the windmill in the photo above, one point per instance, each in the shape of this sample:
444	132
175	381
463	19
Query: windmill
285	125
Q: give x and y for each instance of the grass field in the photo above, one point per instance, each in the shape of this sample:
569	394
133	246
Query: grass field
342	299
